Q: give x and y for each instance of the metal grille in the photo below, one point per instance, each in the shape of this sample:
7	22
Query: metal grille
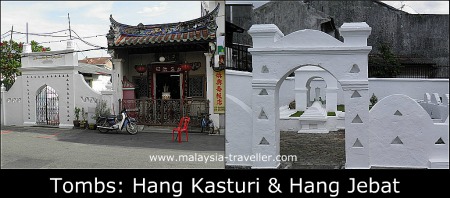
196	86
142	86
165	112
47	108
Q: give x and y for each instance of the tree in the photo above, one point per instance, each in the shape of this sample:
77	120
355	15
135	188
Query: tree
10	59
385	65
35	47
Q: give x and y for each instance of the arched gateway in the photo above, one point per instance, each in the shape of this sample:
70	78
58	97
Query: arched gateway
47	106
275	56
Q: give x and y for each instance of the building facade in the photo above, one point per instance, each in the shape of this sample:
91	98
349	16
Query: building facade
418	41
162	72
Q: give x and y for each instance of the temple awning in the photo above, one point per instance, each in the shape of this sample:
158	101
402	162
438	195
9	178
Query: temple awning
202	29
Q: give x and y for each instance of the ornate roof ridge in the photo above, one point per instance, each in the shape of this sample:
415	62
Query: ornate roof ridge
140	25
202	28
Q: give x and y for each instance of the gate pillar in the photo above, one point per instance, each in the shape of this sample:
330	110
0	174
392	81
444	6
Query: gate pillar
266	133
356	124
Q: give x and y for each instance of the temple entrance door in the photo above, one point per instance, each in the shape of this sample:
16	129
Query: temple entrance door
168	84
168	97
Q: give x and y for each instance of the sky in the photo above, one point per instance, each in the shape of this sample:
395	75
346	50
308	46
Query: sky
87	18
413	7
91	18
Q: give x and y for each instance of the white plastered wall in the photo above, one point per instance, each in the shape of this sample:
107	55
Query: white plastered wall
12	104
402	134
238	117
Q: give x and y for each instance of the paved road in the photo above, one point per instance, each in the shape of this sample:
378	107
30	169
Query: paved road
37	147
314	151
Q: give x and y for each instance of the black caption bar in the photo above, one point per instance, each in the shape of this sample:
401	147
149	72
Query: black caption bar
238	183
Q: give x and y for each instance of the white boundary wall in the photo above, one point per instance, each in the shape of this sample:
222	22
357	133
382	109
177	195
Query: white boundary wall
382	87
57	69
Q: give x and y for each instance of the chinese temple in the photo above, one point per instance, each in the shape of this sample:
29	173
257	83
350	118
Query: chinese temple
161	71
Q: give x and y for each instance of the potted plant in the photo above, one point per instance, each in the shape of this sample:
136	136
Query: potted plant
83	123
373	100
76	122
101	110
92	126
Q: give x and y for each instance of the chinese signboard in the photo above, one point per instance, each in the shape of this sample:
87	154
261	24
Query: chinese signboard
219	92
165	68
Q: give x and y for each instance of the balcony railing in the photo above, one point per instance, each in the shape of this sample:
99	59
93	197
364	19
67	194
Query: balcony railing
410	72
165	112
238	57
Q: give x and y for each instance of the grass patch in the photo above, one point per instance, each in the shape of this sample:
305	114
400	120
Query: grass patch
297	114
341	108
331	114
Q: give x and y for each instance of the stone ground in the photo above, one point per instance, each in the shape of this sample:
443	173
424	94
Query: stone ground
314	151
38	147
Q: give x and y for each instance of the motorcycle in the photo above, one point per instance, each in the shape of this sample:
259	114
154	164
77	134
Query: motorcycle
113	122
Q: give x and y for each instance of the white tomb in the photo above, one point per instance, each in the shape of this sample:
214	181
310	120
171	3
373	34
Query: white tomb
314	119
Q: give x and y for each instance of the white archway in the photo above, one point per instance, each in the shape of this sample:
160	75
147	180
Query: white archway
275	56
303	78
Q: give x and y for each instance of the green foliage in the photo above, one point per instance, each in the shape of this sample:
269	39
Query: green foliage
102	109
10	59
386	65
292	105
77	113
341	108
331	114
83	114
35	47
373	99
297	114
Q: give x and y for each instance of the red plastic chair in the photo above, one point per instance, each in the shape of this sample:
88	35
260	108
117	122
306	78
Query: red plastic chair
180	125
184	129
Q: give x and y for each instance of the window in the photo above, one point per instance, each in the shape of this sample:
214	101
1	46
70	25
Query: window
196	86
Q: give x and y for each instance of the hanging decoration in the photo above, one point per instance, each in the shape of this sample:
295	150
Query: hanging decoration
185	67
140	68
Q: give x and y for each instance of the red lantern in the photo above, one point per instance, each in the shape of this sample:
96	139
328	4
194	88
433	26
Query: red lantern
185	67
140	68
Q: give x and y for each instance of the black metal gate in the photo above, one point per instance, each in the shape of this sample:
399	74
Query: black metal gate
47	108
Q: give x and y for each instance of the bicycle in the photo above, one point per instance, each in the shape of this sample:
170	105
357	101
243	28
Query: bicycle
206	123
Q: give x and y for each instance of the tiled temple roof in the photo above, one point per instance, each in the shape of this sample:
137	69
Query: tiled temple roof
203	28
